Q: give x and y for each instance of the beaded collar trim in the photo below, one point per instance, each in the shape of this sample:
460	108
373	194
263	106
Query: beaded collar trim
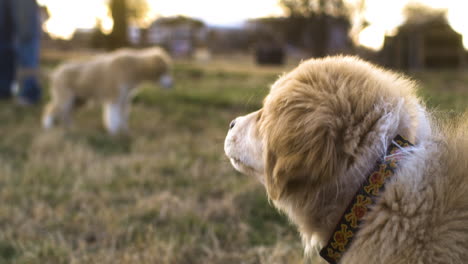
362	201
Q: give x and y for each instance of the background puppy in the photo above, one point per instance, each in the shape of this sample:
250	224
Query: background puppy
319	135
108	78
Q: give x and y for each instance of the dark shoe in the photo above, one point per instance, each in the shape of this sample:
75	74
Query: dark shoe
5	90
5	97
29	91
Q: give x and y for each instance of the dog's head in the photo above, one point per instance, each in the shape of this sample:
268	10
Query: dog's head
159	63
321	121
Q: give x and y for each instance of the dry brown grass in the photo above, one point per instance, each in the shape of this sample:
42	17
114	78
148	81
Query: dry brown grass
164	194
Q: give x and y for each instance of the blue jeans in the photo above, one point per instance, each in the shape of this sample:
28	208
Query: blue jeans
20	35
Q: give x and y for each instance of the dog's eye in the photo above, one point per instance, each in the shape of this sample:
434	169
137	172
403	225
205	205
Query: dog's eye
232	124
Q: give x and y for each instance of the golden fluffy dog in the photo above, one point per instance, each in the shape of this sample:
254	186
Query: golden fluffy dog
108	78
317	138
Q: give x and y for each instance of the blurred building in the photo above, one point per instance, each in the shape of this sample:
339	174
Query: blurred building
228	40
328	36
317	36
180	35
429	44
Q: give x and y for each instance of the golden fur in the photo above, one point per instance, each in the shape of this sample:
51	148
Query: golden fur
319	134
108	78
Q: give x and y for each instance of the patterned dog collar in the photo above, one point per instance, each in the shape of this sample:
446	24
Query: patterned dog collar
362	201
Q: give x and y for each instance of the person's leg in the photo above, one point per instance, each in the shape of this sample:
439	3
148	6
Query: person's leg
7	59
28	35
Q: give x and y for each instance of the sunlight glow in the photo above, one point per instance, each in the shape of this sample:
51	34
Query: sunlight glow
67	16
217	12
384	16
458	20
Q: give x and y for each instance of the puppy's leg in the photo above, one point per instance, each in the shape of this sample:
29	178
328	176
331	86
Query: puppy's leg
60	106
125	114
50	115
57	110
113	117
116	111
66	111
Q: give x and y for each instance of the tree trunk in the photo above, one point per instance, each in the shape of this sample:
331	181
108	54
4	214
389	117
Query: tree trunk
118	37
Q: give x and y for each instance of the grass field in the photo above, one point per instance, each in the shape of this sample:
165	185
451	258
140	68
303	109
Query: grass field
166	193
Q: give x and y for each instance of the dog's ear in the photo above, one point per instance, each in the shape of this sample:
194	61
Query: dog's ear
300	154
326	117
309	147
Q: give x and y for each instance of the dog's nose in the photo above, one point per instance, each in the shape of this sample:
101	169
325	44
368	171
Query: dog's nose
232	124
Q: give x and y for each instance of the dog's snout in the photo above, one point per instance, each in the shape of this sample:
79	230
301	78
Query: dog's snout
232	124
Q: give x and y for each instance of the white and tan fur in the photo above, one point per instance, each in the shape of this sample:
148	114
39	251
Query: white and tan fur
109	79
320	132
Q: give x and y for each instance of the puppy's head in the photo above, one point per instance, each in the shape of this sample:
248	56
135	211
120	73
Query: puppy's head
322	120
244	146
160	64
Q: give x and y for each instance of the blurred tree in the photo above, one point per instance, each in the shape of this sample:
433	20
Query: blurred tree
416	13
311	19
137	12
181	20
312	8
98	38
424	40
119	13
358	18
123	13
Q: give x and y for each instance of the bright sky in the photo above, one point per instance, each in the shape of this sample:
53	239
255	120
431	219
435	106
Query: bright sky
384	16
